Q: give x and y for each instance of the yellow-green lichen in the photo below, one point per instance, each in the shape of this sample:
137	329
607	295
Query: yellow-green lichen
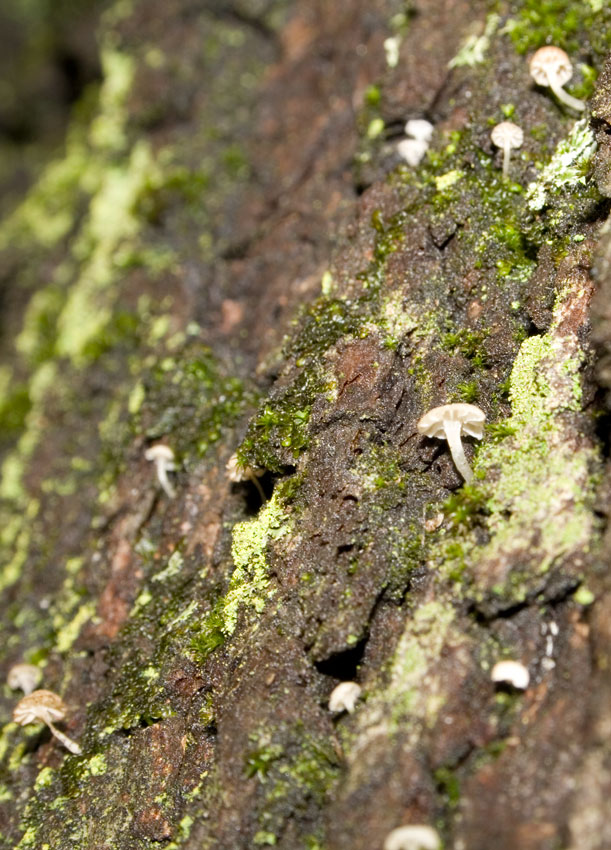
537	482
249	581
567	167
473	50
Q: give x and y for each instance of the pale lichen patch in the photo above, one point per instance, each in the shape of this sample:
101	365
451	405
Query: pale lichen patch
249	581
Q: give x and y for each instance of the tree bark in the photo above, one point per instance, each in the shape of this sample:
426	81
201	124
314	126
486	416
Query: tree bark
231	258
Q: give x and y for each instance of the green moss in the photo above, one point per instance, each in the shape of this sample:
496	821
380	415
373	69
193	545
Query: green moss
260	761
565	23
448	786
467	391
468	343
191	398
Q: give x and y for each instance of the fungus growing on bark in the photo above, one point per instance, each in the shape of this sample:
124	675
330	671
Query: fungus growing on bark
550	66
238	473
506	136
418	837
344	697
163	458
44	707
511	673
413	148
448	422
419	128
24	677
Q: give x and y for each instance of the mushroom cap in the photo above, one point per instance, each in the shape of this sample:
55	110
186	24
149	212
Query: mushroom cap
417	837
39	706
159	452
344	697
507	134
550	61
512	672
236	472
419	128
23	677
470	416
412	150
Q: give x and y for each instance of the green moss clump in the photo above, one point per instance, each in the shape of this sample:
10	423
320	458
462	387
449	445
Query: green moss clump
190	397
564	23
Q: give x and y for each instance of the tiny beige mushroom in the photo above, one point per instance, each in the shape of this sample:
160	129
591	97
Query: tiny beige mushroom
44	707
163	458
512	673
550	66
448	422
417	837
506	136
344	697
24	677
237	473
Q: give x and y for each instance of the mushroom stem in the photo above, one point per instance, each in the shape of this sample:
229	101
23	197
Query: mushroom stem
253	478
564	96
506	155
163	466
452	430
68	743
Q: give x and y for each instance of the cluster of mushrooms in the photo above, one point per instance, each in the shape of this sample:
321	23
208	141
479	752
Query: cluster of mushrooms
549	66
38	705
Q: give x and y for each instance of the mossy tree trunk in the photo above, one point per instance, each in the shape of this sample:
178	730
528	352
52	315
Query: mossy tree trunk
230	255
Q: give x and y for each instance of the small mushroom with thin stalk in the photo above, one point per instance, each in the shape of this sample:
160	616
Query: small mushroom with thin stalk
24	677
237	472
163	458
510	673
448	422
551	66
417	837
44	707
506	136
344	697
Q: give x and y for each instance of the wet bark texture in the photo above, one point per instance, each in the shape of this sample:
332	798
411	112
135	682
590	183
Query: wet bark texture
229	254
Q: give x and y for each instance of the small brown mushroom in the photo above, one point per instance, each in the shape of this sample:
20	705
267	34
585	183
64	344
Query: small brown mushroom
551	66
44	707
448	422
24	677
506	136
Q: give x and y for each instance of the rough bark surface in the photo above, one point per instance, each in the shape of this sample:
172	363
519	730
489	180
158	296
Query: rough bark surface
230	255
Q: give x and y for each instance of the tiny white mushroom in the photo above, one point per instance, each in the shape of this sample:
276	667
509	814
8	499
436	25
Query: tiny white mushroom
550	66
44	707
417	837
506	136
24	677
238	473
412	150
448	422
344	697
163	458
419	128
511	673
